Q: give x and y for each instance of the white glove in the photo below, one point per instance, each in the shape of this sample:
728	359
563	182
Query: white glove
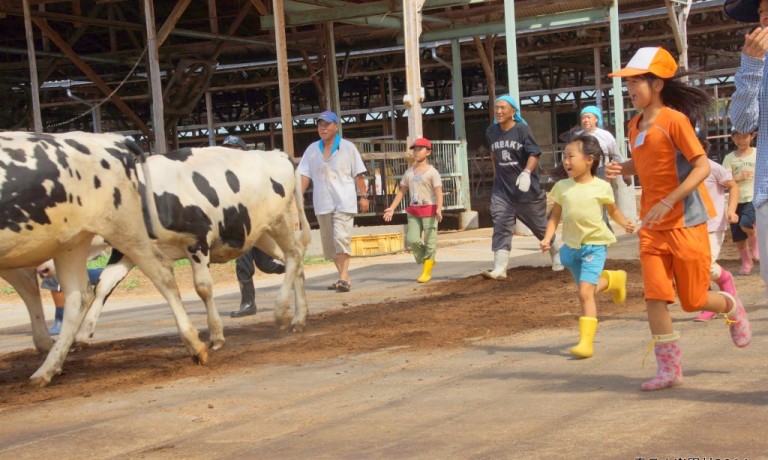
524	181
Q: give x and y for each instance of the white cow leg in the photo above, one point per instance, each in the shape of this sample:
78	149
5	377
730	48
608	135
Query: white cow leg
24	281
283	235
300	302
72	274
158	269
204	288
109	279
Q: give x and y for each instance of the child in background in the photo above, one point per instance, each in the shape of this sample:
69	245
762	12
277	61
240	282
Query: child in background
741	163
717	182
580	200
426	206
675	207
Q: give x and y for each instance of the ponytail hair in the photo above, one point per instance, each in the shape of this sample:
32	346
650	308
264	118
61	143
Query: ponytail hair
693	102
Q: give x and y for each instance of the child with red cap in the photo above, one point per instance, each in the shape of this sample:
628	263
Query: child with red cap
674	208
425	207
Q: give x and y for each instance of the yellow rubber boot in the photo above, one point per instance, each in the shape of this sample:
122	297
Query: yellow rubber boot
426	274
587	329
617	284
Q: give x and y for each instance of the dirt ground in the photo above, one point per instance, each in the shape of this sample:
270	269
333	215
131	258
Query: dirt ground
445	316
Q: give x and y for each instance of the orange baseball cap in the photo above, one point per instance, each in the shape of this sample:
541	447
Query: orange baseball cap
655	60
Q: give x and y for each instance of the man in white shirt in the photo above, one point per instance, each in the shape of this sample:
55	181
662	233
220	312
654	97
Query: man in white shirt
336	168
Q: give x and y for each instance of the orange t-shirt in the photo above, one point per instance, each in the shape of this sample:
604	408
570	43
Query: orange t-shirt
662	156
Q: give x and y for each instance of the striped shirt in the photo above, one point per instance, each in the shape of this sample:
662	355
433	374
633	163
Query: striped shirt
752	94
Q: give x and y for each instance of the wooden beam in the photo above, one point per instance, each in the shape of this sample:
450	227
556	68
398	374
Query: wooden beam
213	17
171	21
90	73
260	7
283	77
232	28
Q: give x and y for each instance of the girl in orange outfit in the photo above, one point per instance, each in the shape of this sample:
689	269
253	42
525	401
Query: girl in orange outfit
674	208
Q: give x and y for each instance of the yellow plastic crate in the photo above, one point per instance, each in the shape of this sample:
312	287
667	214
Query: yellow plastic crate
371	245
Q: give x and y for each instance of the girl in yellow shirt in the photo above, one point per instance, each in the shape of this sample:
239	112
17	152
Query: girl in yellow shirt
580	200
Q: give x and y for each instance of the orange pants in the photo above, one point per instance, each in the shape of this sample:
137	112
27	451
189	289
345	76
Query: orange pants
679	258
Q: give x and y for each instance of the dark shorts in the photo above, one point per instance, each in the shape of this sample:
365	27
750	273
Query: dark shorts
747	219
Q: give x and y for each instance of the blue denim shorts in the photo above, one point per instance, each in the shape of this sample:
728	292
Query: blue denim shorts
585	264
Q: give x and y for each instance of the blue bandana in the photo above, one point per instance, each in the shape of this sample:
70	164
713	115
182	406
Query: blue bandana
335	146
508	99
594	110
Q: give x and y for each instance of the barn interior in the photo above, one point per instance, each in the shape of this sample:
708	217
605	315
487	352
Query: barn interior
219	67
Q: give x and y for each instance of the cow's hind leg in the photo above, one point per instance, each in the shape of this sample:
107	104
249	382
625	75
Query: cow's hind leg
204	288
71	272
283	235
24	281
117	268
157	268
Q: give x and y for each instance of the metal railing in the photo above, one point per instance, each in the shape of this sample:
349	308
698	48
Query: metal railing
387	161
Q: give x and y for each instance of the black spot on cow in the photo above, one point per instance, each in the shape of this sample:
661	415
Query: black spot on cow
232	181
125	156
179	154
77	173
117	198
27	192
79	201
29	227
195	258
16	154
235	226
77	146
105	164
277	187
183	219
202	184
96	182
70	198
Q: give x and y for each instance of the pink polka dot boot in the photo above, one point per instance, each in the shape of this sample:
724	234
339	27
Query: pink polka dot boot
669	370
736	319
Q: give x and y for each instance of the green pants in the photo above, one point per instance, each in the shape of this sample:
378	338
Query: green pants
421	236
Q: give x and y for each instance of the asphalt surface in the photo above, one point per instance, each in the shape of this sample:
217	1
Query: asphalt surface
519	396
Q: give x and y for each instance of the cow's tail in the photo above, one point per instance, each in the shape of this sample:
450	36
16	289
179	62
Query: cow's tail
305	236
151	217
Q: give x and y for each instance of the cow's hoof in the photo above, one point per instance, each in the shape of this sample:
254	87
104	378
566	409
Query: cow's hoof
282	323
216	344
39	381
298	327
80	346
201	358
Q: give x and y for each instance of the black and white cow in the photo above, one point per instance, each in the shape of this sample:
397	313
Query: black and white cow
214	203
56	192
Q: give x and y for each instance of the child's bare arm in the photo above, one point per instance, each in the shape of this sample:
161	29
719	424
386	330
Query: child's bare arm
733	201
439	212
619	217
552	223
390	211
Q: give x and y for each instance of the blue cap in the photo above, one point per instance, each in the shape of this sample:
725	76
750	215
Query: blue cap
329	116
511	101
235	141
594	110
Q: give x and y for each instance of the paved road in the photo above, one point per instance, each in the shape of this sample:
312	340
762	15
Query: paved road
513	397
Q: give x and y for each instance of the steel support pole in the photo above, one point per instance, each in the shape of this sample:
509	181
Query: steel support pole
457	87
37	121
510	28
158	122
414	92
626	194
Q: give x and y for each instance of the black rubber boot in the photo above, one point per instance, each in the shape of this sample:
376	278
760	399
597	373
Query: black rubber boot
248	301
